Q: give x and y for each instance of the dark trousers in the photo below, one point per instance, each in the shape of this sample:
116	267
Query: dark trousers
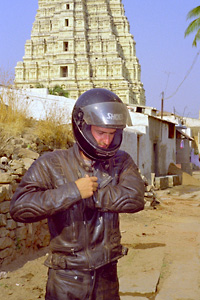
100	284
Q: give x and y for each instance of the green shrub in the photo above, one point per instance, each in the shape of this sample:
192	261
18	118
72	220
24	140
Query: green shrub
39	85
59	91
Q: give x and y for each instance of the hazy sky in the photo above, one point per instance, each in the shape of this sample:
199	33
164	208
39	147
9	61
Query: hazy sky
167	59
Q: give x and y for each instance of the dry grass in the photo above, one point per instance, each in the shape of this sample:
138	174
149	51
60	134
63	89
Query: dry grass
55	130
6	76
15	119
14	116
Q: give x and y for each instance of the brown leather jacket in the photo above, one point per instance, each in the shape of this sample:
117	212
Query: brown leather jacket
84	232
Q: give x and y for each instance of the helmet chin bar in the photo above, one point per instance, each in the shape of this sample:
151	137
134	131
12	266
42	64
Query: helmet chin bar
90	147
98	153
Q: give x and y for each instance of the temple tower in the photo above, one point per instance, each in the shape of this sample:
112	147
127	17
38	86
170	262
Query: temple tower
82	44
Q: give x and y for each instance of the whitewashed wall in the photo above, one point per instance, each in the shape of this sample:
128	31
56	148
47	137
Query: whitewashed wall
38	101
129	143
139	140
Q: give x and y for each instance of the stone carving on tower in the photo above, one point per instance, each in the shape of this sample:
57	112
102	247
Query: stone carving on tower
82	44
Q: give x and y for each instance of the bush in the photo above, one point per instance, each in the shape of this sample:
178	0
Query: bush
39	86
59	91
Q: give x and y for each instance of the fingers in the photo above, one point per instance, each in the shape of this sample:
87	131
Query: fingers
93	178
93	182
87	186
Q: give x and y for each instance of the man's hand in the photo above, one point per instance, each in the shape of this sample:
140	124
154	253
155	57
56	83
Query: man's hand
87	186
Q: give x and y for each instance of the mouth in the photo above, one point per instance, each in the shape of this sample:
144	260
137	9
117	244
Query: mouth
103	146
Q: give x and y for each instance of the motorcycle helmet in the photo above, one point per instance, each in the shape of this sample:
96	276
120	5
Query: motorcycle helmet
99	107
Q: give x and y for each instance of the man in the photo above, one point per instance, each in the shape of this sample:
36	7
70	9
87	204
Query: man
81	191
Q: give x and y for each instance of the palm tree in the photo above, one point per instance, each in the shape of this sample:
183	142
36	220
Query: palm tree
194	26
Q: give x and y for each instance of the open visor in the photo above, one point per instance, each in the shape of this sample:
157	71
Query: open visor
107	114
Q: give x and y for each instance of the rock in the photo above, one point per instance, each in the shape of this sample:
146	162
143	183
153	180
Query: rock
14	178
27	162
3	192
5	178
5	242
4	207
9	191
4	232
4	160
21	233
3	275
5	168
11	224
6	253
16	164
20	171
21	152
3	220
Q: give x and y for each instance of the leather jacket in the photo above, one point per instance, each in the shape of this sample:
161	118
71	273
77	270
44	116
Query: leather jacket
84	232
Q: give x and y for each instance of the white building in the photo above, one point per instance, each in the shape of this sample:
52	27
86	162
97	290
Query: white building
151	142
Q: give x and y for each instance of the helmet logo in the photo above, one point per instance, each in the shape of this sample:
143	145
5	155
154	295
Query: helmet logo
114	117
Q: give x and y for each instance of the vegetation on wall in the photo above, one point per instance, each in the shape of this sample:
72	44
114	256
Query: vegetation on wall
56	90
39	85
59	91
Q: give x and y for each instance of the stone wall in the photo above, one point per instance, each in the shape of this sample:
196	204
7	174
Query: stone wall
16	156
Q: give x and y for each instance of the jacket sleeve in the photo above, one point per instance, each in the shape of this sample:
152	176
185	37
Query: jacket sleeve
125	192
37	197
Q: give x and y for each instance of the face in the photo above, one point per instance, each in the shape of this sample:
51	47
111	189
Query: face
103	136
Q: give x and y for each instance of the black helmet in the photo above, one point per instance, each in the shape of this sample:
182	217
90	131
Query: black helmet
99	107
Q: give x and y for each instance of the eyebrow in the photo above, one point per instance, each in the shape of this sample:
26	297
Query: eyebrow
101	131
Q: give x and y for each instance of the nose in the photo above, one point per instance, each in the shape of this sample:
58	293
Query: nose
107	139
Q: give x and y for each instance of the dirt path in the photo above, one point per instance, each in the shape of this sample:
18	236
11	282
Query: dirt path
172	228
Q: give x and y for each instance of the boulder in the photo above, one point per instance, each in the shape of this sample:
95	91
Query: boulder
27	162
5	178
16	164
5	242
22	153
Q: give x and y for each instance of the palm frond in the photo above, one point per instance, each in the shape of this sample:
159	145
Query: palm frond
196	38
195	12
193	26
194	43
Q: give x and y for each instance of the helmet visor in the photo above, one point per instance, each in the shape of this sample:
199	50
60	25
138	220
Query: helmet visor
107	114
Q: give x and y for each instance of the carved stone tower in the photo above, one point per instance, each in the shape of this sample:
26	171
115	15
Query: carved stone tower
82	44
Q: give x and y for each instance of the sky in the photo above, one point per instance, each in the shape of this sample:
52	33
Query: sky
170	66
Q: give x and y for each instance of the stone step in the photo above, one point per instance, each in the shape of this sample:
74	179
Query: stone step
142	269
164	182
